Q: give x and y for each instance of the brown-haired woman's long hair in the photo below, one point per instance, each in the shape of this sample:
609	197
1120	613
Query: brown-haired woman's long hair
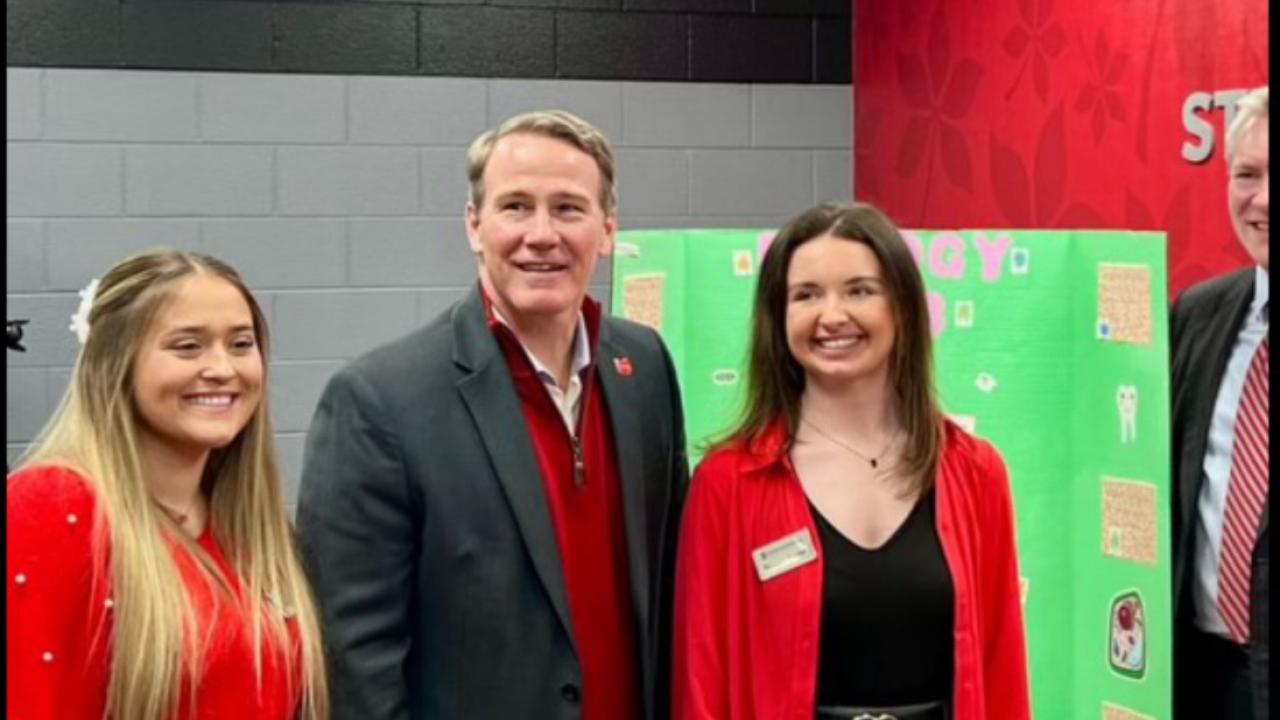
155	640
776	382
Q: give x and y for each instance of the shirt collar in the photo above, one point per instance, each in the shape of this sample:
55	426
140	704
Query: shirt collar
581	339
1261	294
581	349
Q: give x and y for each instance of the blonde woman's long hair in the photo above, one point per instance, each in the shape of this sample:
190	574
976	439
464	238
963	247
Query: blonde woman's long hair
156	644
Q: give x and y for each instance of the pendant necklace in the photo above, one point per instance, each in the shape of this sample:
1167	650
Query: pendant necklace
873	460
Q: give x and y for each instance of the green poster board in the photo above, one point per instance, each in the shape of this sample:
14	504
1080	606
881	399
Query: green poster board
1051	344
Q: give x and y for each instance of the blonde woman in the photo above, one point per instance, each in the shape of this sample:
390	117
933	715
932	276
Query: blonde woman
151	566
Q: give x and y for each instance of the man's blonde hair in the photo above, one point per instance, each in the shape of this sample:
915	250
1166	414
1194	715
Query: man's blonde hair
1249	109
558	124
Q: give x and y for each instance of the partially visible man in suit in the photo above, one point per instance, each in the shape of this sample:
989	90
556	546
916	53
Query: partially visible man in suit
1221	489
489	505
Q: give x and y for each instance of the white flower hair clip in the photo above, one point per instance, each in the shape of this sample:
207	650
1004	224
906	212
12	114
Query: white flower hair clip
80	320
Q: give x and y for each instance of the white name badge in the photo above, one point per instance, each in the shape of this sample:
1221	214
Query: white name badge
784	555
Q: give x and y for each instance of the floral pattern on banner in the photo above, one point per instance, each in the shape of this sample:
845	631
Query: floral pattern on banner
1100	98
864	146
1037	39
1053	114
942	94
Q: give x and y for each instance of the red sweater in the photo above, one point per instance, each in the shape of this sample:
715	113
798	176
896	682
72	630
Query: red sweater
590	531
55	610
748	650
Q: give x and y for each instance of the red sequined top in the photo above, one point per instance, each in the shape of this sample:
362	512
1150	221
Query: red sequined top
58	619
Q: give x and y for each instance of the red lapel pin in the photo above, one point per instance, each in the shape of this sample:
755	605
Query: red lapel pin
623	366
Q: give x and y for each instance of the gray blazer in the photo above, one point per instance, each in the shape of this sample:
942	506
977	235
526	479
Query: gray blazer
1206	320
427	536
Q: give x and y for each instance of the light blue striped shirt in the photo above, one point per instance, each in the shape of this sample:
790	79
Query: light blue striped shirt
1217	460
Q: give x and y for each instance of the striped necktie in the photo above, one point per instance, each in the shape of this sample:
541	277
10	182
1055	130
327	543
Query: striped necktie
1246	493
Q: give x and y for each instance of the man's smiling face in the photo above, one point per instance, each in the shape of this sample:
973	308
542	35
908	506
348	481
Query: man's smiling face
541	228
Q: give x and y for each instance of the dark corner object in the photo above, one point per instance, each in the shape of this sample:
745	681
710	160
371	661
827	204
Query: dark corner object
13	334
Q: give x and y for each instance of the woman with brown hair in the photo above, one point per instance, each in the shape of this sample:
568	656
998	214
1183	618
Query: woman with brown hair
152	571
847	552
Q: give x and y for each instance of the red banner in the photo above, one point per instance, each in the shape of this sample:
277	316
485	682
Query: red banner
1057	114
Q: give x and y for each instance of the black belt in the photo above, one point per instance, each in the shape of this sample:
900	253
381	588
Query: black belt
924	711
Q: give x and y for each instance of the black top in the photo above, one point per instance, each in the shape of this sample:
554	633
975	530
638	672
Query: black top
887	635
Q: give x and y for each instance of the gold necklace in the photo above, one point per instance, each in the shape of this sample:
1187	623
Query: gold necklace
873	460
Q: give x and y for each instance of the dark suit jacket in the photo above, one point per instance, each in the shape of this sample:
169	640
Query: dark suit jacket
1206	320
428	539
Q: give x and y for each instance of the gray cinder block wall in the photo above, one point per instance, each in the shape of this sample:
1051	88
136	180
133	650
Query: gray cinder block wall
339	197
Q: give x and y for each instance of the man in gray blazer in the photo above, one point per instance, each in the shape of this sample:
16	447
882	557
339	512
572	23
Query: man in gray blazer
1221	492
489	505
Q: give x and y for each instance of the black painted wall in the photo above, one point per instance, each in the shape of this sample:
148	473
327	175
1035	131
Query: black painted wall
785	41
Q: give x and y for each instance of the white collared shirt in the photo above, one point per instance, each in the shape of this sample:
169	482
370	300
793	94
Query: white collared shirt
568	401
1212	503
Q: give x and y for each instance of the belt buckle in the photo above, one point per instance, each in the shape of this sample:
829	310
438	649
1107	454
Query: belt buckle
869	716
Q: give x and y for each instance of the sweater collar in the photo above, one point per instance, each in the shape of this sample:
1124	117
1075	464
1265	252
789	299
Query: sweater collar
589	317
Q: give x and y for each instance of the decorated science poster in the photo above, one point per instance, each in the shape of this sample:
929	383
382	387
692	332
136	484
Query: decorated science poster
1051	344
